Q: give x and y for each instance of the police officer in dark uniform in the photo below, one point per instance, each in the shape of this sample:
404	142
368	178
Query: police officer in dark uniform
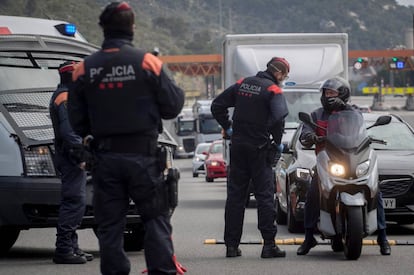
335	95
259	111
69	161
120	96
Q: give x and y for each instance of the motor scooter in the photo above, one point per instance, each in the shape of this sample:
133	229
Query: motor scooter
348	180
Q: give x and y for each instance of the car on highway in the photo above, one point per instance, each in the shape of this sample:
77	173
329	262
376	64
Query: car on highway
200	154
395	165
214	164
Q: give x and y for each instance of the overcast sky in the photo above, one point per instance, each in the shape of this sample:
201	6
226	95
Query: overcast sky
406	2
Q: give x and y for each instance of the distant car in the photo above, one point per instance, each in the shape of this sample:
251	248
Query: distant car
215	165
200	154
396	174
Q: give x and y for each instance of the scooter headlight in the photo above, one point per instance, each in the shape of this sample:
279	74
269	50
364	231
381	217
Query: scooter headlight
337	170
362	169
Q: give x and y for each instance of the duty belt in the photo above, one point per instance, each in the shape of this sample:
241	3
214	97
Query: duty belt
127	144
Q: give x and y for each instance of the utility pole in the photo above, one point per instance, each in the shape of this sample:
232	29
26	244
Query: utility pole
220	19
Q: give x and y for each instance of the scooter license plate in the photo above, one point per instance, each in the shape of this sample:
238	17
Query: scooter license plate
389	203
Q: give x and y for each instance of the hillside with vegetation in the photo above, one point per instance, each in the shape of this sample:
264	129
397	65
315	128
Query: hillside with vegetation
198	26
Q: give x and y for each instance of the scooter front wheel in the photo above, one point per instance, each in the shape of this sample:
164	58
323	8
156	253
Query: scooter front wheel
353	232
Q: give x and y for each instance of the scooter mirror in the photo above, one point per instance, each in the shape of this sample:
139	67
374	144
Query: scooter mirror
382	120
307	119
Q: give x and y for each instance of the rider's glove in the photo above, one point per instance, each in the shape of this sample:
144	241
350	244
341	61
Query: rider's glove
310	137
279	151
227	133
280	148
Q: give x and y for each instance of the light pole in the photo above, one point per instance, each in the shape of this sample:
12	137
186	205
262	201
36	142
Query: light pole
220	19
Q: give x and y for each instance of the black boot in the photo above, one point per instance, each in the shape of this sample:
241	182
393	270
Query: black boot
307	244
80	252
70	258
233	251
271	250
384	245
385	248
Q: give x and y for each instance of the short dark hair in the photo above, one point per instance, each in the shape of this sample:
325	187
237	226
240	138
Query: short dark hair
117	16
278	64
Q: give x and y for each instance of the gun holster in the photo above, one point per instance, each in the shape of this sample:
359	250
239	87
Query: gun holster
173	175
162	157
273	154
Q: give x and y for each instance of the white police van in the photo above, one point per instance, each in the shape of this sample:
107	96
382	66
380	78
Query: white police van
31	50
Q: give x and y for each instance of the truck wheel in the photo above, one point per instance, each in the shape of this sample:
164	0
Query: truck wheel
8	236
208	179
195	175
134	238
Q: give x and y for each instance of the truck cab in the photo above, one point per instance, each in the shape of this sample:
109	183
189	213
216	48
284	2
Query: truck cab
207	127
184	130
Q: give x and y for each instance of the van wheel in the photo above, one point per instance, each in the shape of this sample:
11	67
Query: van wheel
195	175
8	236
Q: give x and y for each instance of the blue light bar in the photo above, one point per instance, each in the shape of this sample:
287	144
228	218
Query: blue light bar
66	29
70	29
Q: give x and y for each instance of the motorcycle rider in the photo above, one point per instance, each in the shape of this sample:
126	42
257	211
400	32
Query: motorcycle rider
259	111
335	95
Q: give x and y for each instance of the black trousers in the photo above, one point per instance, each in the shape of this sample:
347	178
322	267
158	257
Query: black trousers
116	178
72	205
249	163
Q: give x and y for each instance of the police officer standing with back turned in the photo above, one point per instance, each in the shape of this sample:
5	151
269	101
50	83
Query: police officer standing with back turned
69	161
259	111
120	96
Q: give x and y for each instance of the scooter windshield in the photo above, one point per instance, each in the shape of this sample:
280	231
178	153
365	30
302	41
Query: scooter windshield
346	129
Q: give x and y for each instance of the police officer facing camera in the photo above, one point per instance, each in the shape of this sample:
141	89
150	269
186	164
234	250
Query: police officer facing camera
259	112
120	96
70	162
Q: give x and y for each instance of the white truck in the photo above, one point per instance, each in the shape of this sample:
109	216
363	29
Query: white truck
182	129
206	126
313	58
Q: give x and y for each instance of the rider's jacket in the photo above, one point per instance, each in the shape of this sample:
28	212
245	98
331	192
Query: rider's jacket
320	116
